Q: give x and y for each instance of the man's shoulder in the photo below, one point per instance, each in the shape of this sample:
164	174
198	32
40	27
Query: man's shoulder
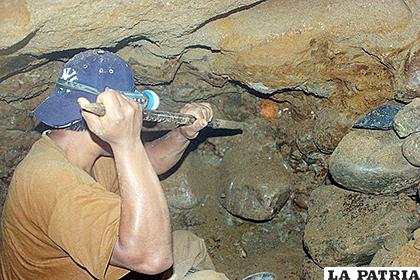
43	160
45	164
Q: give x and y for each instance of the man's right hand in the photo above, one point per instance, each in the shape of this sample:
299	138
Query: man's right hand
144	242
122	123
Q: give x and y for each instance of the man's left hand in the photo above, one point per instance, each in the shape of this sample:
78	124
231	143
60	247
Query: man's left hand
203	114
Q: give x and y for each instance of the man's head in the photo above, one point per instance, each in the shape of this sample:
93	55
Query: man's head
96	68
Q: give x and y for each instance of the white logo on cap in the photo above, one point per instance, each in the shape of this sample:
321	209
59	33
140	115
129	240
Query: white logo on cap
69	74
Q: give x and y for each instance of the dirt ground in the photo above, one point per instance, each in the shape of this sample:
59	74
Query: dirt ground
239	248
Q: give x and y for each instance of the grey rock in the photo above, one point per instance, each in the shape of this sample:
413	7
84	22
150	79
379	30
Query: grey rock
411	149
311	271
187	187
346	228
256	183
381	118
372	162
14	145
3	194
180	193
407	120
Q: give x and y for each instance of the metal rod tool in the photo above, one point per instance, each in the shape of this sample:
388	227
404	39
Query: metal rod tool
167	117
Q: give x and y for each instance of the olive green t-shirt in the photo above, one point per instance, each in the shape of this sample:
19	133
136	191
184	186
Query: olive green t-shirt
58	222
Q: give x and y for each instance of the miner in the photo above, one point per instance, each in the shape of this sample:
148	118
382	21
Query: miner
86	202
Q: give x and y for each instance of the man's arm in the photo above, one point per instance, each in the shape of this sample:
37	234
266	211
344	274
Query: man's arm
166	151
144	241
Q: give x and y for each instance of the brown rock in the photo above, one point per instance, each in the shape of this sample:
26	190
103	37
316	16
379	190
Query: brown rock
409	83
13	147
311	271
331	126
409	254
296	45
256	183
290	49
46	31
411	149
30	84
407	120
150	68
346	228
371	162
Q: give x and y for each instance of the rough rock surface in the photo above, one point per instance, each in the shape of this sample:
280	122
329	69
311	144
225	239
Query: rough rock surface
409	254
255	180
311	271
372	162
409	82
330	128
411	149
33	24
407	119
389	250
308	32
348	54
18	97
191	181
345	228
180	192
318	66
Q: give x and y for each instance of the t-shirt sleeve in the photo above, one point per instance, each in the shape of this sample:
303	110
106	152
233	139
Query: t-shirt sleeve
106	174
83	221
85	224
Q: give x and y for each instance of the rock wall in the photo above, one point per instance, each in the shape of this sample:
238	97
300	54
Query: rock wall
352	55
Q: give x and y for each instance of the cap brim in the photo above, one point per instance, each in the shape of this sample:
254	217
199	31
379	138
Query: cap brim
58	112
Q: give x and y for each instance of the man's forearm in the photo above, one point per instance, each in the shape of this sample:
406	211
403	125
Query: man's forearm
166	151
144	229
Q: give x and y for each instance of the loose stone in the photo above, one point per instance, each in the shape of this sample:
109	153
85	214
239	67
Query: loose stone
371	161
256	183
346	228
411	149
407	120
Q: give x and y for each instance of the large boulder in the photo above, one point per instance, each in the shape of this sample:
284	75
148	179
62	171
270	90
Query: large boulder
346	228
255	180
372	162
190	182
256	184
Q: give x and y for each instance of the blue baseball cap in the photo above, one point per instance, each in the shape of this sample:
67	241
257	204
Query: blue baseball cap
95	68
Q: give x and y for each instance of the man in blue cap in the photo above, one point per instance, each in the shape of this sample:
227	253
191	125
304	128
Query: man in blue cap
86	202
